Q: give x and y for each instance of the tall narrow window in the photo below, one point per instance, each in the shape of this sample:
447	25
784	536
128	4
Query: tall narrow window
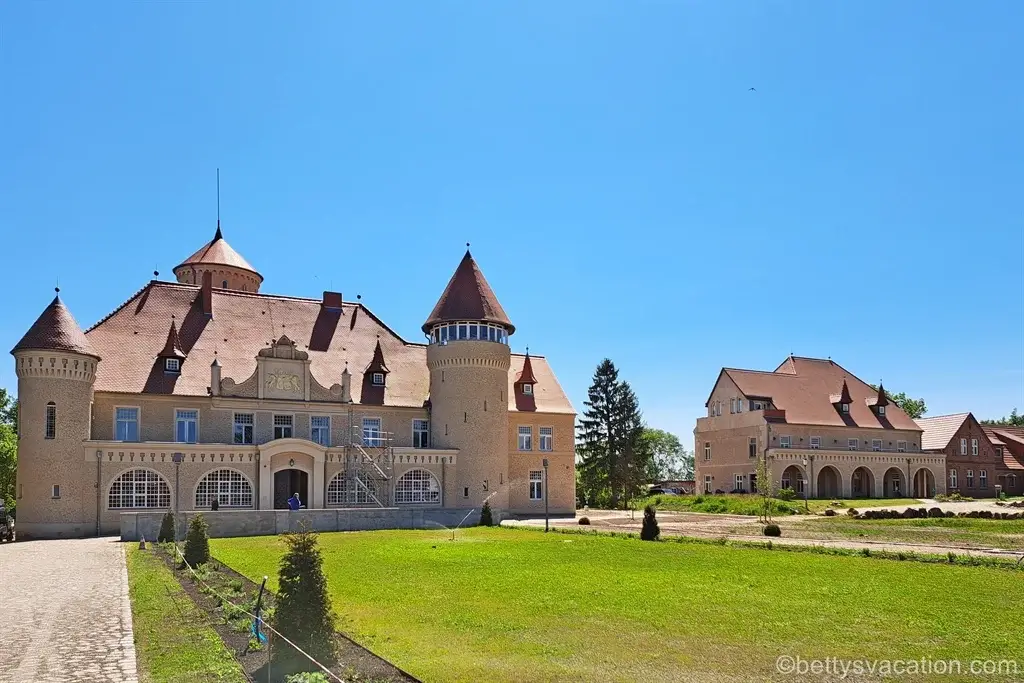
421	434
707	483
974	446
186	426
738	483
970	479
283	426
963	446
243	428
739	405
126	424
545	438
952	479
51	422
707	450
320	429
983	479
536	485
526	438
371	432
752	447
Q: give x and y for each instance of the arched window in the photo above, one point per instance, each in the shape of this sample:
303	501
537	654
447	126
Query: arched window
229	487
139	489
417	486
51	420
346	489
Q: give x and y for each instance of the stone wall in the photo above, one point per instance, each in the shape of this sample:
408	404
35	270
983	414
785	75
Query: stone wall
231	523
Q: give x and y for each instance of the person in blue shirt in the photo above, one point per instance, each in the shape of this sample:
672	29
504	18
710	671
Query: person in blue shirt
294	503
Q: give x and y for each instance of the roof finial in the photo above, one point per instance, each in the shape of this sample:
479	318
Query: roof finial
527	349
218	234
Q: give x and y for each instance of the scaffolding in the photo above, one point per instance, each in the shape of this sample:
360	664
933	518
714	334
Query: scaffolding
369	460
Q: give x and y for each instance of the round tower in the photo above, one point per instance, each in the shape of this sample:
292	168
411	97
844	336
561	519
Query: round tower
56	486
468	357
226	266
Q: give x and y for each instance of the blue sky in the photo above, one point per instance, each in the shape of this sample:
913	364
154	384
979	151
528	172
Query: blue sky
624	192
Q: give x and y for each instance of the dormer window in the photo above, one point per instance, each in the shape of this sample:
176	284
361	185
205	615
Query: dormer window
378	379
845	407
881	410
528	389
172	365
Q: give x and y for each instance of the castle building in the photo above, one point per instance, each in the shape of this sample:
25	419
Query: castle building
206	389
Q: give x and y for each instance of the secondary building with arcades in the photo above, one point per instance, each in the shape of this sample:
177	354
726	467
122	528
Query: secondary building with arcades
207	389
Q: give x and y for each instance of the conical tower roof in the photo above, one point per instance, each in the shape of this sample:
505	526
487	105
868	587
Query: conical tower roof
468	297
218	252
56	330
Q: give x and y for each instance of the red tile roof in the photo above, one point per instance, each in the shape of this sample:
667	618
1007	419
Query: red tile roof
803	387
937	431
132	337
172	347
526	376
56	330
468	297
218	252
1007	437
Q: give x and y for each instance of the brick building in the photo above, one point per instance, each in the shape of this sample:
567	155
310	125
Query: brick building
207	389
972	462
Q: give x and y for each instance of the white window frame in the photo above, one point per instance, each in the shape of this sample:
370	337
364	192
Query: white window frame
233	491
752	452
138	423
982	479
525	438
545	439
423	433
290	426
536	484
974	446
815	443
963	446
413	488
528	389
881	410
876	445
739	405
172	365
853	444
369	437
178	419
732	406
324	430
55	491
901	446
970	479
707	451
377	379
251	425
739	482
708	486
141	491
952	479
786	441
845	408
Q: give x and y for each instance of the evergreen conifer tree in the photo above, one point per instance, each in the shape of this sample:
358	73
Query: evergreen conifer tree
615	458
650	531
197	542
486	518
303	607
166	534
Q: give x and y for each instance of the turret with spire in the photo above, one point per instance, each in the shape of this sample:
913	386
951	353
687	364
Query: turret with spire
229	270
468	357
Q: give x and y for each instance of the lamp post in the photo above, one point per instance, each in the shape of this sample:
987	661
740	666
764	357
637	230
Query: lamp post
546	523
806	508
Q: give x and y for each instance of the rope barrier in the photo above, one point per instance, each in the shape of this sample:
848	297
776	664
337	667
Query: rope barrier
265	625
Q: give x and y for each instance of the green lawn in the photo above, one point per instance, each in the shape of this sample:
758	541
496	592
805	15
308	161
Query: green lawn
751	505
521	605
173	642
961	531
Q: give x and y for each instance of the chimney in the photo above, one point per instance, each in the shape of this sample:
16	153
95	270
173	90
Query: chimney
215	377
206	293
346	385
331	301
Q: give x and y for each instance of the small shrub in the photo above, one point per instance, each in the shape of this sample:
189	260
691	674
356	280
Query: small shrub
1002	495
837	504
197	542
786	494
852	512
866	552
657	500
951	557
772	530
829	512
768	545
307	677
650	530
486	518
585	521
166	534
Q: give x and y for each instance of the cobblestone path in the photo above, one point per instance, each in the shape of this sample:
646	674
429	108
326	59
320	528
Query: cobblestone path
64	612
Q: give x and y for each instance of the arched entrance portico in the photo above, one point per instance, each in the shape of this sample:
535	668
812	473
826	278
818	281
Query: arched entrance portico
828	482
895	483
924	483
793	478
290	466
862	483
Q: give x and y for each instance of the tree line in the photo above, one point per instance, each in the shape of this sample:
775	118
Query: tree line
8	447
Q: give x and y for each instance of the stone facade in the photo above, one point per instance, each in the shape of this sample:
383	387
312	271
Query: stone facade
129	417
